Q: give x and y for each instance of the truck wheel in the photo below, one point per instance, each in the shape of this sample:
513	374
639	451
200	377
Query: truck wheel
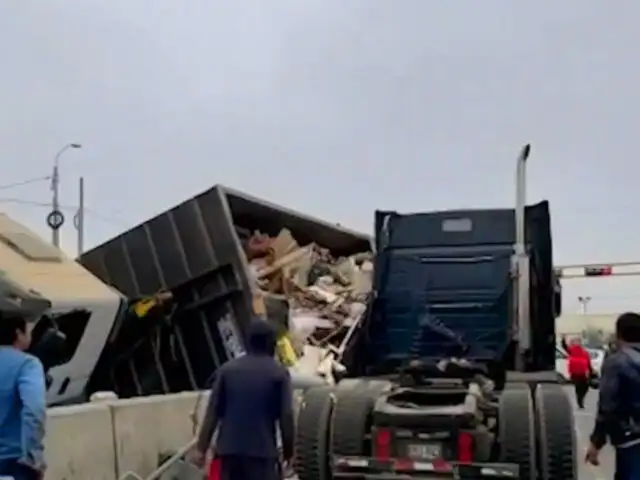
351	420
312	434
516	434
556	434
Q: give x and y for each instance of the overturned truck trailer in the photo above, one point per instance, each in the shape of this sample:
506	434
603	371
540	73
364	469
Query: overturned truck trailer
187	271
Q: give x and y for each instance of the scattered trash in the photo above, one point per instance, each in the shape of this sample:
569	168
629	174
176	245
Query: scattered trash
314	300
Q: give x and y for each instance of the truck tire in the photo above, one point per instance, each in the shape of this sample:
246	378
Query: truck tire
351	419
556	434
312	434
516	434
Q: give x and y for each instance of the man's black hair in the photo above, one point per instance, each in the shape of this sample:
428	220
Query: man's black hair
10	324
628	327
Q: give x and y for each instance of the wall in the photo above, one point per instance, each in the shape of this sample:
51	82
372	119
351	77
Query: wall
105	440
79	443
102	441
574	324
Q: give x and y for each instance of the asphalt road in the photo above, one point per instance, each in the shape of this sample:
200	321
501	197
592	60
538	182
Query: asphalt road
584	426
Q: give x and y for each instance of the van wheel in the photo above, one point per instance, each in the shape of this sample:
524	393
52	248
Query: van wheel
516	433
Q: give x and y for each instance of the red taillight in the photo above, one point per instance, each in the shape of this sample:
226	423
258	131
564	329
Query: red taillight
465	447
214	469
383	443
403	464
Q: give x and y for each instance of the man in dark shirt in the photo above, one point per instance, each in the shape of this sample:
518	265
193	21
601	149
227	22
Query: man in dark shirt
618	417
251	395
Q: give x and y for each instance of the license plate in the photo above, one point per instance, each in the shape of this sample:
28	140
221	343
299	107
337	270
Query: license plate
424	451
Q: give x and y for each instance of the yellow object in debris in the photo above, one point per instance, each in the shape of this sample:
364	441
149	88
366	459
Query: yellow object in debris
142	307
286	353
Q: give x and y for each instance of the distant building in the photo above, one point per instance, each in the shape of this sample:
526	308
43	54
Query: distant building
577	324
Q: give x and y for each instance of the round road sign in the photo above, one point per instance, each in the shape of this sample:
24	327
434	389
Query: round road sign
55	219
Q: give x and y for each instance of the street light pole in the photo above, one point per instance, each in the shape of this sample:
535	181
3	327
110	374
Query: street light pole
584	303
80	217
55	188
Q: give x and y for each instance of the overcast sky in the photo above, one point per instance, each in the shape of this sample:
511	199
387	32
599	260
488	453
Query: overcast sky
331	107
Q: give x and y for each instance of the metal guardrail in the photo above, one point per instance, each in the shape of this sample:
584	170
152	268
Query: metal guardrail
194	474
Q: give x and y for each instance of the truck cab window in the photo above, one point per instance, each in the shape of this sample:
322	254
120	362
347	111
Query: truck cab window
56	336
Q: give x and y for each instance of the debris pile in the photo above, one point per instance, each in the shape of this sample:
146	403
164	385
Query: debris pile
314	298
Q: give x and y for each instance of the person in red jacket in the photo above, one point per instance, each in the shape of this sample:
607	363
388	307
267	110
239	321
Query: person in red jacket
579	366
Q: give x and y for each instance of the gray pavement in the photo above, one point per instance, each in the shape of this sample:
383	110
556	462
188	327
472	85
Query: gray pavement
584	426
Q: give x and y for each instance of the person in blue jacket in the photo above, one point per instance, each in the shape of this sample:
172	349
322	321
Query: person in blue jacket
250	397
23	407
618	417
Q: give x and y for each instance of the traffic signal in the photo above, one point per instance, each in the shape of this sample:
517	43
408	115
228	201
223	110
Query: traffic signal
602	271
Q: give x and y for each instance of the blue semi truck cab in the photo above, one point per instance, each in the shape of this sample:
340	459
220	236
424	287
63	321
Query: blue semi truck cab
445	285
452	371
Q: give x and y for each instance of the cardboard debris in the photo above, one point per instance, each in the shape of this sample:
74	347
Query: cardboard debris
315	299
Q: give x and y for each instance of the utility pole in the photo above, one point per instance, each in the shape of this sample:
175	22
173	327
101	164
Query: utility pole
584	303
55	219
79	218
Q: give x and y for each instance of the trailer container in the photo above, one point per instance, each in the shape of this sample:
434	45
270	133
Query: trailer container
194	251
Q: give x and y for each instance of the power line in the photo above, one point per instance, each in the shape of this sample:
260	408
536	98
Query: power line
105	218
29	181
32	203
71	208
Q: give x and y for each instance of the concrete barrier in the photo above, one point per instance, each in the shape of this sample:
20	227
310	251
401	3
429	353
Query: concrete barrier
105	440
102	441
146	428
80	443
